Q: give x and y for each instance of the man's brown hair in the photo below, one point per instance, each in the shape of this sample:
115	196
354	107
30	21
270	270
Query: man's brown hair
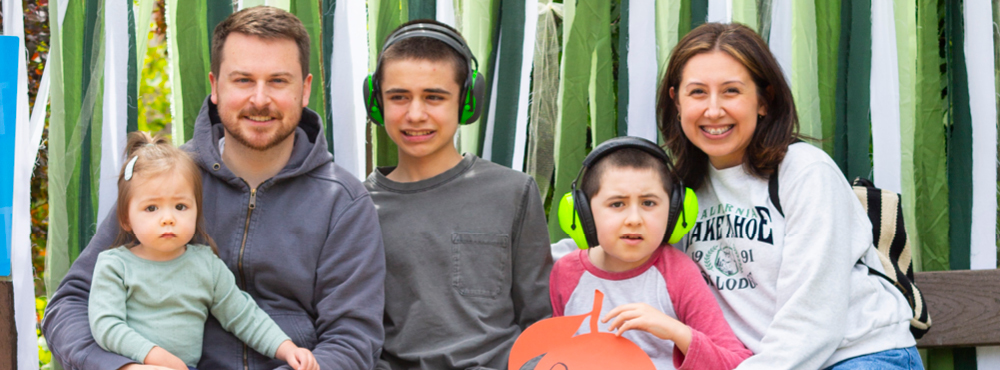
775	131
267	23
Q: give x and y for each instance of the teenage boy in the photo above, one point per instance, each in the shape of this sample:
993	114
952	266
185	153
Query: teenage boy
467	250
299	233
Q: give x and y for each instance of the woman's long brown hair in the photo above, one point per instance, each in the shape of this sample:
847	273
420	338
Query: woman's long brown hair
775	131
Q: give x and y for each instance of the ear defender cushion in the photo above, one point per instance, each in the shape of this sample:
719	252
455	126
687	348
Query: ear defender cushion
371	102
470	110
686	219
586	219
569	221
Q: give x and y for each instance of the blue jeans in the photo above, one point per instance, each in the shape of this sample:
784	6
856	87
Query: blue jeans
893	359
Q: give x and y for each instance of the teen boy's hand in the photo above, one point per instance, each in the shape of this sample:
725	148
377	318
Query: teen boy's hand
644	317
298	358
161	357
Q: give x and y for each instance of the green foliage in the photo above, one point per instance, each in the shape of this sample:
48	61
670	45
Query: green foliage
154	85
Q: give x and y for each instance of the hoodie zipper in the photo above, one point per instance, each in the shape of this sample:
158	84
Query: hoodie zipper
239	263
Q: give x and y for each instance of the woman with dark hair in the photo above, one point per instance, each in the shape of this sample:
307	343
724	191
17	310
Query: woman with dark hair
795	287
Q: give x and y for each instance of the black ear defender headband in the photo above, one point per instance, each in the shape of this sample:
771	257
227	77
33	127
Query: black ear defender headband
473	89
683	203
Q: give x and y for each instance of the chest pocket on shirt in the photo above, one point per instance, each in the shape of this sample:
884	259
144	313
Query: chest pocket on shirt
479	263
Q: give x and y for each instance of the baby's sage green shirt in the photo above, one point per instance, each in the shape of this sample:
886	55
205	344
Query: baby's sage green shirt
136	304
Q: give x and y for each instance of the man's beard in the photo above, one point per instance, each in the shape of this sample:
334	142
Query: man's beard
278	137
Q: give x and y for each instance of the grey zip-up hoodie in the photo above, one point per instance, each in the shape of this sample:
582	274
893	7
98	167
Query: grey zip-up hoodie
306	245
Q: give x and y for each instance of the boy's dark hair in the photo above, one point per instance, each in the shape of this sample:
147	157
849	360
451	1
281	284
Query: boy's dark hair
625	158
426	48
266	22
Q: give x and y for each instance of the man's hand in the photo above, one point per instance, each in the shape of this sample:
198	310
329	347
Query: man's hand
161	357
644	317
298	358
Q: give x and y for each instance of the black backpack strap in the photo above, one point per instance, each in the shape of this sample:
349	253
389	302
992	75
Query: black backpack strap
772	190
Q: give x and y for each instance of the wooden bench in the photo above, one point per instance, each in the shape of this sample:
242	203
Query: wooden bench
964	307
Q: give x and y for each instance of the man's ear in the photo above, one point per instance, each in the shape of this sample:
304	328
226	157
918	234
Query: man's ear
306	89
215	88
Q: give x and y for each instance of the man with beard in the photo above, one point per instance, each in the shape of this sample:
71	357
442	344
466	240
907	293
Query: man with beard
299	233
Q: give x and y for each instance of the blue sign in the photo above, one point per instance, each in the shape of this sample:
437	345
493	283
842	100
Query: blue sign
9	47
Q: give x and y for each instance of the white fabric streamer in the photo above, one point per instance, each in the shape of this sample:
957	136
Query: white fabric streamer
781	36
349	67
642	64
492	113
445	12
528	56
720	11
20	254
115	103
884	99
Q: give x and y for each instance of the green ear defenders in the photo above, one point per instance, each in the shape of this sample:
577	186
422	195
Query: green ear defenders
576	219
473	89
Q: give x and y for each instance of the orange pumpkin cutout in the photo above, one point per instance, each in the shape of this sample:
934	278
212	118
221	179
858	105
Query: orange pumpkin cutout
554	339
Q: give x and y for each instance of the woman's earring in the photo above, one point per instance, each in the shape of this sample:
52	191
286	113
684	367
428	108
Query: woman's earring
760	118
678	118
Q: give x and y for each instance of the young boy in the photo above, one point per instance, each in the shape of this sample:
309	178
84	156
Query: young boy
467	249
648	285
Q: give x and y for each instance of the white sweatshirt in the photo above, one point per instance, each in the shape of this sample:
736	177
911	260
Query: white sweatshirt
790	286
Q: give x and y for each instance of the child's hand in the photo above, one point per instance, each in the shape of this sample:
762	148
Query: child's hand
161	357
298	358
644	317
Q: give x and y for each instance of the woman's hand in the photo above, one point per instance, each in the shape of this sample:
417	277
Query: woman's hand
641	316
163	358
298	358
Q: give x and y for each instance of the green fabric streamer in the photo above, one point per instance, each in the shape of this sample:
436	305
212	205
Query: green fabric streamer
828	30
309	13
959	141
132	107
623	75
186	41
858	102
425	9
386	15
699	13
668	32
929	163
329	10
581	33
603	117
906	55
478	26
804	73
509	87
745	11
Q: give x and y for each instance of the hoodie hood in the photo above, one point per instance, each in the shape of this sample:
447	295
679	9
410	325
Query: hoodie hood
309	151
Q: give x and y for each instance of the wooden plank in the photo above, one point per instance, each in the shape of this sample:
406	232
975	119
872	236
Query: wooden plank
964	307
8	333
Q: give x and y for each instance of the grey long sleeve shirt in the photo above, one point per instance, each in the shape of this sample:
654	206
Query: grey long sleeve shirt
467	265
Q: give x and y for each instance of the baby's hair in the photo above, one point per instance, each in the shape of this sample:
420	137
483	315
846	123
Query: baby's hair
154	156
625	158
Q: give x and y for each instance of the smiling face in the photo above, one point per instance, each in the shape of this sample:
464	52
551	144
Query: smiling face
630	213
718	105
260	90
162	213
420	100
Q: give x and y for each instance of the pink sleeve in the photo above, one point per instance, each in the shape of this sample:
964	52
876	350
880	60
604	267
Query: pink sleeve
713	343
565	276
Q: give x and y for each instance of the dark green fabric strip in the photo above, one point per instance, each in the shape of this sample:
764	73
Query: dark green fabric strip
329	9
858	91
959	140
509	87
390	16
623	30
699	13
424	9
132	104
684	20
87	211
839	138
215	13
